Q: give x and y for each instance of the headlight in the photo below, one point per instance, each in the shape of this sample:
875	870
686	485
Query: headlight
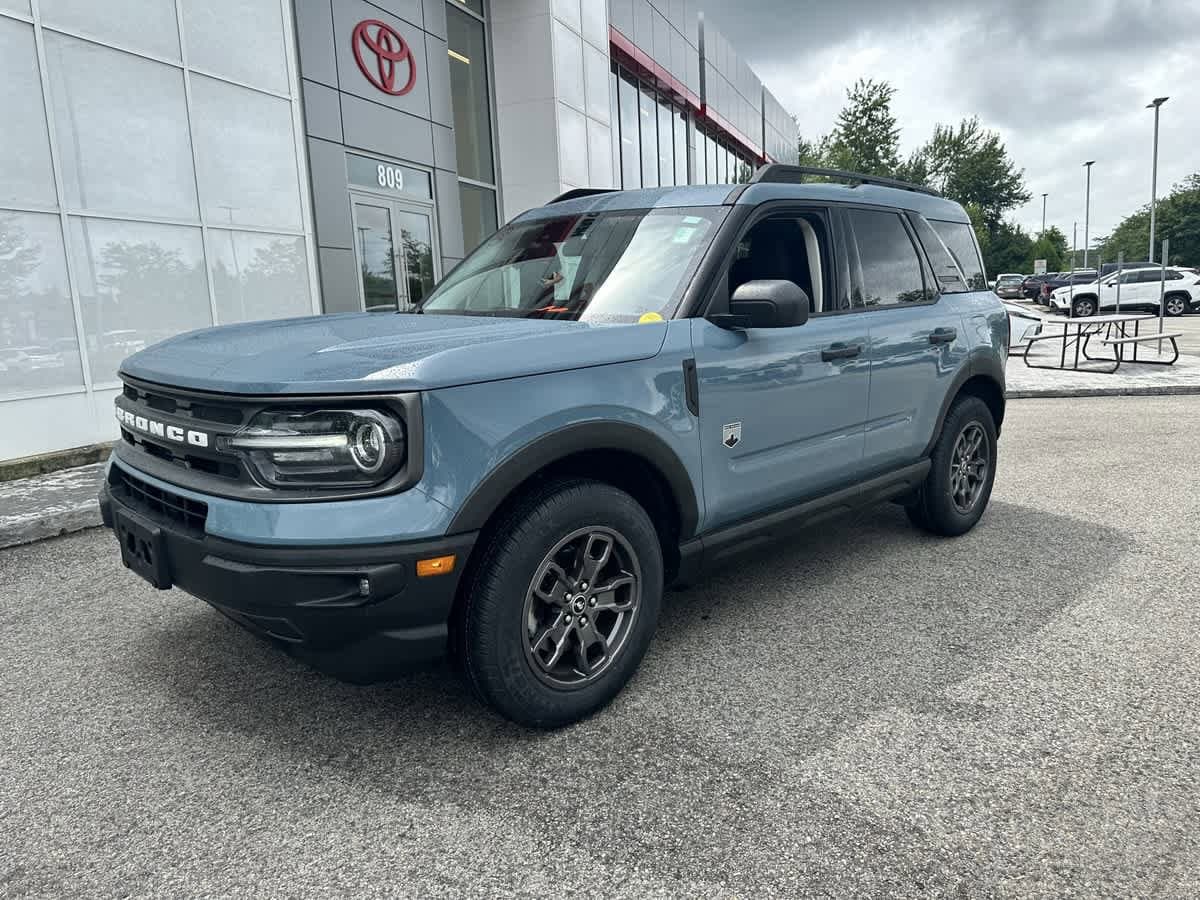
324	448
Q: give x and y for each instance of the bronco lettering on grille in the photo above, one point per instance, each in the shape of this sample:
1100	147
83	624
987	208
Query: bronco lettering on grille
162	430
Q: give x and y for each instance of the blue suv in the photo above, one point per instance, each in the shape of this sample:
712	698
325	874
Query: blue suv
613	392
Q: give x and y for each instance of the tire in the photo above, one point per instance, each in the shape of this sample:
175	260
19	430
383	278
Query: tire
1083	307
937	507
1176	305
537	646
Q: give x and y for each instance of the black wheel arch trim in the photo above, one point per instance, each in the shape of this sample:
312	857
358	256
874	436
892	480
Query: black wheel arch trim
981	362
498	485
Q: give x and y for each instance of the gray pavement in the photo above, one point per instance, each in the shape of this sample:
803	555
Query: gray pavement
864	711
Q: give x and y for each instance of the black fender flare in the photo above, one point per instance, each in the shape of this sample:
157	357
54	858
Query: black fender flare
981	362
553	446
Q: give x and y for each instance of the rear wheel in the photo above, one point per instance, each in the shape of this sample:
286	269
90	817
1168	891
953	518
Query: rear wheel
559	613
962	471
1176	304
1082	307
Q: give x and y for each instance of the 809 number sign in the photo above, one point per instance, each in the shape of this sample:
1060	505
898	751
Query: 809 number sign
390	177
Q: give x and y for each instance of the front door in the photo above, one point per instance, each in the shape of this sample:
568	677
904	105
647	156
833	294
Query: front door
396	253
781	409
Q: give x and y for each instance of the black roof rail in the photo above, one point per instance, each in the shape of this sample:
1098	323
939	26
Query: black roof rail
575	193
780	173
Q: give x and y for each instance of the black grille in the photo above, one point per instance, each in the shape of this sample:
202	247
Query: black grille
158	503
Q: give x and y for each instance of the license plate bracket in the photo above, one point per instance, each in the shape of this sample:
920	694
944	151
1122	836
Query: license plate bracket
143	548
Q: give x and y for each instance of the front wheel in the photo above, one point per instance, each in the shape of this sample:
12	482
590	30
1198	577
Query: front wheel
1083	307
558	614
1176	305
962	471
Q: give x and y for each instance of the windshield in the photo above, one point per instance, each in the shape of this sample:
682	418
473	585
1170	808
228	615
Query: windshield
615	267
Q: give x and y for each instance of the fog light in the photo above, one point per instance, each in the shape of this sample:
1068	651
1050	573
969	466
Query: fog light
438	565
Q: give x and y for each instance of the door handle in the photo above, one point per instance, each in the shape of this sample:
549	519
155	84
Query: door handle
840	351
943	336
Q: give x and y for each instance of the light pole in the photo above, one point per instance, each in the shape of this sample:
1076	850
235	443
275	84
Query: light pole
1044	196
1087	209
1154	104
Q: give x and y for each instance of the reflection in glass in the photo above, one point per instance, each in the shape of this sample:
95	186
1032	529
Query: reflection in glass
38	349
122	129
138	284
469	92
246	156
666	145
631	166
648	119
252	52
416	239
25	176
376	257
681	147
478	214
147	25
614	116
258	276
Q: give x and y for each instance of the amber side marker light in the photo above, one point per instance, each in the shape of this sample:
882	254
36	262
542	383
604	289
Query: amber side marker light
438	565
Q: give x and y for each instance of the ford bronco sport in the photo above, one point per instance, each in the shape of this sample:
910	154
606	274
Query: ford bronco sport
611	393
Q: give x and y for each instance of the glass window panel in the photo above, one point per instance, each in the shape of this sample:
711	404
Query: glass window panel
416	243
147	25
251	51
960	241
376	256
891	270
38	349
478	214
614	132
681	147
25	173
246	156
258	276
476	6
122	131
138	284
631	166
710	151
666	145
469	93
648	120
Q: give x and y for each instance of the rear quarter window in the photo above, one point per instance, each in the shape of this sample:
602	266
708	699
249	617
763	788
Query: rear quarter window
959	239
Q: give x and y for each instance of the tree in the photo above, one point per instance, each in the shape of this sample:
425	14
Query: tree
970	164
1177	218
1052	247
866	138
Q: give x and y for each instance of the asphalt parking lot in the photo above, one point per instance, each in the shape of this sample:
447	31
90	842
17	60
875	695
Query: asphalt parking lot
865	711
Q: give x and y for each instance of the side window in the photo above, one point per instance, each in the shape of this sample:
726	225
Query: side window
960	241
793	247
950	280
1172	275
1129	277
891	269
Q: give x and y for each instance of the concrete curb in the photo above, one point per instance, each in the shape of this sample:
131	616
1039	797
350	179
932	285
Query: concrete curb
53	523
1166	390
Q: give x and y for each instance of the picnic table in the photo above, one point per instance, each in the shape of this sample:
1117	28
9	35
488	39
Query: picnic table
1116	331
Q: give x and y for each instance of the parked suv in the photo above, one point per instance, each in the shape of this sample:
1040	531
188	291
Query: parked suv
1052	283
611	394
1140	289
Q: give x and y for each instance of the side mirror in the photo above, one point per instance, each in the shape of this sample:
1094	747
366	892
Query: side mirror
765	304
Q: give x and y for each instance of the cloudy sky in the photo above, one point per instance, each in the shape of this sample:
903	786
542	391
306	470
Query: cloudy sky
1063	82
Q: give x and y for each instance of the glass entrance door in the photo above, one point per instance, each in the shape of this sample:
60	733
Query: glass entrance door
397	258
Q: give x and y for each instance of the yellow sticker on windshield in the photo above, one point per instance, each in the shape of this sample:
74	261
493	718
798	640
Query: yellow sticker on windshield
649	317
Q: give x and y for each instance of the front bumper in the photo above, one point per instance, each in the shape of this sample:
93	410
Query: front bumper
359	613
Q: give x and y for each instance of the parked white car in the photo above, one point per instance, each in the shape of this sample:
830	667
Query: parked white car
1023	324
1140	289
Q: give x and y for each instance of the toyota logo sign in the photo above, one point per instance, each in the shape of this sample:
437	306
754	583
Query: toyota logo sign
380	51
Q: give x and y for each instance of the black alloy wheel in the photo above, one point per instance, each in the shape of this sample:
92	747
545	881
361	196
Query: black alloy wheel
581	606
1176	305
969	467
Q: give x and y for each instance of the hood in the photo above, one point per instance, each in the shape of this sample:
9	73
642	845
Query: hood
383	353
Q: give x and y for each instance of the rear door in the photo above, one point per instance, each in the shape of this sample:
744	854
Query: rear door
918	344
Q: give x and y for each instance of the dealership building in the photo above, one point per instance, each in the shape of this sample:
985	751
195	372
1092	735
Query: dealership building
173	164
